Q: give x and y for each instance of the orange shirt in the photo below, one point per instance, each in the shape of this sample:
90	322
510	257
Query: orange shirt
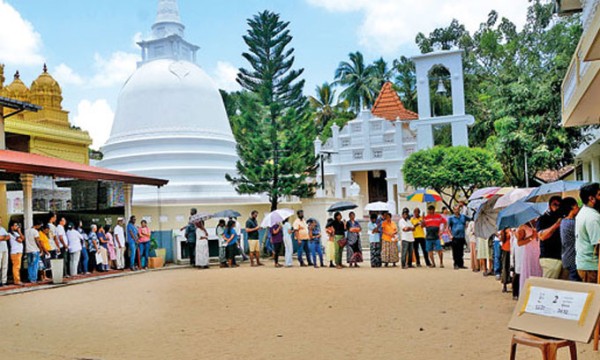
389	230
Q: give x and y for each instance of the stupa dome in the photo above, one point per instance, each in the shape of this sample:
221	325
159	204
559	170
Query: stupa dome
171	123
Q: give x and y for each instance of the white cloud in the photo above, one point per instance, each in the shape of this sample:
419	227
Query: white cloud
96	117
20	44
66	76
389	24
224	76
114	70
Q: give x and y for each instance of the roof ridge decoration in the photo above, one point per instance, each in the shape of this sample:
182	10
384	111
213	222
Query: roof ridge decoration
389	106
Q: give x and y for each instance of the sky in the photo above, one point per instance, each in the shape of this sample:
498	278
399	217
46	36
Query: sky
90	45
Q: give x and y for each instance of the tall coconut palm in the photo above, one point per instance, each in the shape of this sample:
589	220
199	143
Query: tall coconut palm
381	73
406	82
323	105
358	79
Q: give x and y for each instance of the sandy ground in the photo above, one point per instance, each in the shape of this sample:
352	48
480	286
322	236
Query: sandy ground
267	313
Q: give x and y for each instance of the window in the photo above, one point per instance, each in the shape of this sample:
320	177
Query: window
377	154
356	127
388	138
357	155
376	126
345	142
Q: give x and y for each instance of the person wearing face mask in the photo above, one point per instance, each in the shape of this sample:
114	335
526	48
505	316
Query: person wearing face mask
587	233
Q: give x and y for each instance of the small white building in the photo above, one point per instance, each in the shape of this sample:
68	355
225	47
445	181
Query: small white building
363	160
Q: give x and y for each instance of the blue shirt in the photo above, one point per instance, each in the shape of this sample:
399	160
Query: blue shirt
190	233
457	225
91	238
228	233
374	238
131	229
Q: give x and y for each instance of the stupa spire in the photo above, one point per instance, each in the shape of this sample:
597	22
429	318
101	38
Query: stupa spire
168	21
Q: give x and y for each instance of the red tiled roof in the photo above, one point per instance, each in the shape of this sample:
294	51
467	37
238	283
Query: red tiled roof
549	176
27	163
389	106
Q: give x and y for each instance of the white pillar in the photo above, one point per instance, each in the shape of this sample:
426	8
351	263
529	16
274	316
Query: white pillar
585	167
399	138
460	134
27	183
128	192
595	169
424	136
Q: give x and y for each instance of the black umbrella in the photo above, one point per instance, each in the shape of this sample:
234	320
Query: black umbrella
227	214
342	206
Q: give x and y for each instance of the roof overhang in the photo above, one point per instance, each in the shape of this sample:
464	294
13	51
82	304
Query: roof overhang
26	163
567	7
17	105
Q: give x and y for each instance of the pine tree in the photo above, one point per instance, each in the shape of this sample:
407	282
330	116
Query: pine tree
273	129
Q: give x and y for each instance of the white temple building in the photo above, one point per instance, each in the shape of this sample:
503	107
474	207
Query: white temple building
363	160
171	123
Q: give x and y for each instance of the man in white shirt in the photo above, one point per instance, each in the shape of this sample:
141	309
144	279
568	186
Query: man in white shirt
52	239
75	239
32	247
120	242
4	254
406	234
61	237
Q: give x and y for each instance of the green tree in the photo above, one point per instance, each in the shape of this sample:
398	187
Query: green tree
359	81
272	126
382	73
454	172
405	82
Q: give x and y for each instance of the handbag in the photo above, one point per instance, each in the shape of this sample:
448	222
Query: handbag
342	242
99	258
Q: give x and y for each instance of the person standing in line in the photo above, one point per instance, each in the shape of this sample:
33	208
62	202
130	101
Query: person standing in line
74	239
190	237
407	236
276	239
301	234
119	239
45	254
231	237
4	239
132	242
389	237
112	254
504	236
353	248
144	244
93	248
33	249
433	223
339	228
287	230
516	262
472	239
548	228
53	243
61	237
314	232
16	250
527	238
103	249
202	256
83	265
419	235
374	242
457	224
570	209
241	244
252	232
587	233
445	234
220	231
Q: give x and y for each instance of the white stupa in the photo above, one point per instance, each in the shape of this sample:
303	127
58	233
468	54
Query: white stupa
171	123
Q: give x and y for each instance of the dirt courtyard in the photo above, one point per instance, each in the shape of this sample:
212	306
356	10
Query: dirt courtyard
267	313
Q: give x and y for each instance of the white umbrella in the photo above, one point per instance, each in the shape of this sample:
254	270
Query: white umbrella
377	206
483	193
485	219
276	217
512	197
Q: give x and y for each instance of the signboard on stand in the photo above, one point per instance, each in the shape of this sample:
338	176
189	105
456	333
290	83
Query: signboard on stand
557	308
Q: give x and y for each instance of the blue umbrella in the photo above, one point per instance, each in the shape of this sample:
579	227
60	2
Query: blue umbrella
519	213
227	214
560	188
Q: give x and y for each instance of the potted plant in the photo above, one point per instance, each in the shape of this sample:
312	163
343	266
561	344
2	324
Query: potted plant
155	251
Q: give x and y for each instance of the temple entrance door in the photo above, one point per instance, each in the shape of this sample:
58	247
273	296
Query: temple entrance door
377	186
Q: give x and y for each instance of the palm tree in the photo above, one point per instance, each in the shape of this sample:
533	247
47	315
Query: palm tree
381	73
359	81
406	82
323	105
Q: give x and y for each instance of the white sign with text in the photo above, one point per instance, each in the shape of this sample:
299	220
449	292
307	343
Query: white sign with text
567	305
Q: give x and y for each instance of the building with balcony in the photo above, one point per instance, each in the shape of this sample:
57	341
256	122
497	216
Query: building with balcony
581	85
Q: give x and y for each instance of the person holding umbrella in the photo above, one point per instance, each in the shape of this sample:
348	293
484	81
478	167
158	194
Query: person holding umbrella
277	240
339	231
548	228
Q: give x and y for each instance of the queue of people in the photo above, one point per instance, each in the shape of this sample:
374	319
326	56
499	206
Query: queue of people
99	249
